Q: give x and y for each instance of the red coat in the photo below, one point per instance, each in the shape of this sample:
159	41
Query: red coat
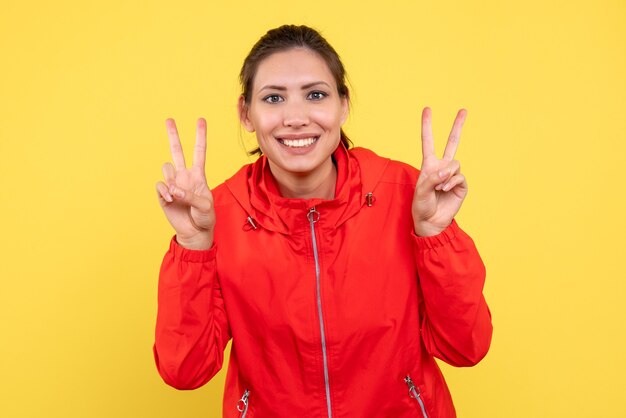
335	307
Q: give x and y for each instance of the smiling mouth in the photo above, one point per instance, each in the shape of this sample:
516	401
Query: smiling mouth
299	143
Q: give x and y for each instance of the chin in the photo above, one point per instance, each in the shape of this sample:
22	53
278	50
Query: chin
300	168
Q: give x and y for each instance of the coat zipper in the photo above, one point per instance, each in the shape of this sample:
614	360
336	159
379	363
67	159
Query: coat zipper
242	404
414	393
314	216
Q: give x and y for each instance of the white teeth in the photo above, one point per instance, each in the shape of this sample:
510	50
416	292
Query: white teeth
298	143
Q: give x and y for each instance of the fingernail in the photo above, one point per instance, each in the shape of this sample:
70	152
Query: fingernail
168	198
444	173
446	187
179	193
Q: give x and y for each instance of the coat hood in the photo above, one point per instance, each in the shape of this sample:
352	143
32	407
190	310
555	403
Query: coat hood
256	191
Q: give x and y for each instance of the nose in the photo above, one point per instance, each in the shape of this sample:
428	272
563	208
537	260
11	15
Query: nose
295	115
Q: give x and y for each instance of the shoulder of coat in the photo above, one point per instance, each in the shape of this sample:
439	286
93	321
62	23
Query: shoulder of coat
384	169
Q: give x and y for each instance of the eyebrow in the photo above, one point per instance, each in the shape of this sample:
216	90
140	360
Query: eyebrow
283	88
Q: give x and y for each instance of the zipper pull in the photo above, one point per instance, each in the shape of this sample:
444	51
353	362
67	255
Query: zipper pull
313	215
242	404
413	390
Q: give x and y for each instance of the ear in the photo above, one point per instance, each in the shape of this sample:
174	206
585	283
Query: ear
345	109
242	109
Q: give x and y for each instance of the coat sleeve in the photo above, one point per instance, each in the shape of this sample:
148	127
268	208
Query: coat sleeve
191	327
456	322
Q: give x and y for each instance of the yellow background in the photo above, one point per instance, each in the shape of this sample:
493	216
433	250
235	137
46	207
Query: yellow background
85	88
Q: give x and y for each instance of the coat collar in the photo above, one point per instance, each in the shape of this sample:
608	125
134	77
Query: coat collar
358	172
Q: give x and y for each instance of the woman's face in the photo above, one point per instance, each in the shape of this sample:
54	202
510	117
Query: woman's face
296	112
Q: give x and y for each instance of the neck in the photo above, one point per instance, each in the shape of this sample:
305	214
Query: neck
318	184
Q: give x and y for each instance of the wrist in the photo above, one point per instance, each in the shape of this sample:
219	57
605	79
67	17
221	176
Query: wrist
428	230
197	242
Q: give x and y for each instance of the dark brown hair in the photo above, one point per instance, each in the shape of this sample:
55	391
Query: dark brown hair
282	39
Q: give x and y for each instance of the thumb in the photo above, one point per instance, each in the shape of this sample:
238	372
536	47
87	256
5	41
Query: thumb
202	203
427	181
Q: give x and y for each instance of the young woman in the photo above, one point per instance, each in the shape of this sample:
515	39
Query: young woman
338	274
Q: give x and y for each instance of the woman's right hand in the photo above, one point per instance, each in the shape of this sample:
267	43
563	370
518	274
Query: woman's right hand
184	194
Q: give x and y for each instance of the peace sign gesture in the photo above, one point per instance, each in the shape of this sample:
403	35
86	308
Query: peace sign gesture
184	195
441	188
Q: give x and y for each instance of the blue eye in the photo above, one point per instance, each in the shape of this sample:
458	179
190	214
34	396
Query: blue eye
316	95
273	98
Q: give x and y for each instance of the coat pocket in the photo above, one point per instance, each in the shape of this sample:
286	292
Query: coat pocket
242	404
414	393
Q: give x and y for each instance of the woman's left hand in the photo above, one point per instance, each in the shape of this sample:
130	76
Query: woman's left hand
441	188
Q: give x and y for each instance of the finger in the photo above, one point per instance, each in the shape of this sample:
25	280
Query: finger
427	182
445	173
455	135
428	143
201	203
437	179
199	153
459	179
176	149
162	191
169	174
